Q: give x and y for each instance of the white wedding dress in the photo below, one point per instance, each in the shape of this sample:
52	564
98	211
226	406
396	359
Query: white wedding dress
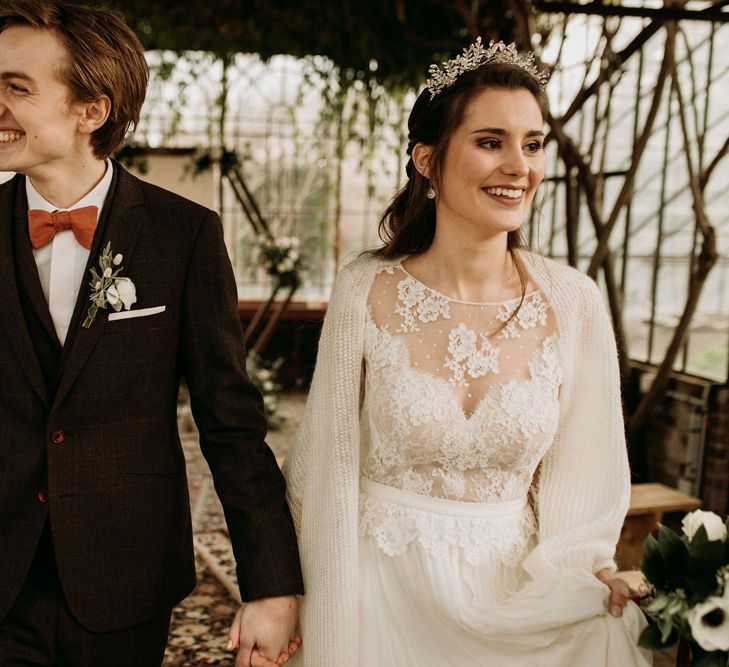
460	405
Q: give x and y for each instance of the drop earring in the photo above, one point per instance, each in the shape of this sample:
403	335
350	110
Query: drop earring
431	193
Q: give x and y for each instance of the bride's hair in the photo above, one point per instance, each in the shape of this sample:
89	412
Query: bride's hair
408	224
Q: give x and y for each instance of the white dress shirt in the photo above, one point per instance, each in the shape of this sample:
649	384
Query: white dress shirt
61	262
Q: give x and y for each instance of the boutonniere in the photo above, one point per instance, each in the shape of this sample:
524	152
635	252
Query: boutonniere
107	288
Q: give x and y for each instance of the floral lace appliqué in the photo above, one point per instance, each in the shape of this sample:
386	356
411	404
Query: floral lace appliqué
465	357
545	364
396	526
416	303
532	313
423	434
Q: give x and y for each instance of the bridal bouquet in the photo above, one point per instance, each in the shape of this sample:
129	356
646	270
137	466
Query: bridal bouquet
281	258
688	596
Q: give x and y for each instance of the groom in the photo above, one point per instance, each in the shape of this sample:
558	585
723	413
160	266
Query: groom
95	533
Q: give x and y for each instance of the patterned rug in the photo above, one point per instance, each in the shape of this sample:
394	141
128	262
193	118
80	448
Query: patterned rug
199	627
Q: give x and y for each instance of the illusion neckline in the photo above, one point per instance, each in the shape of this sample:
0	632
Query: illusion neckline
515	299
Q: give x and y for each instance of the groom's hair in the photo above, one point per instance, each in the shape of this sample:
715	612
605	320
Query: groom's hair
105	57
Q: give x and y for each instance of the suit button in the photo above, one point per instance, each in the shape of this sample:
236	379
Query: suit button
58	436
43	495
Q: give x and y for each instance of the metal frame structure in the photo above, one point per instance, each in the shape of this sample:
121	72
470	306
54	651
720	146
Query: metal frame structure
564	203
714	13
330	196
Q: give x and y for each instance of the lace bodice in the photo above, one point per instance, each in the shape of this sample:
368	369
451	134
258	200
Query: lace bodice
461	402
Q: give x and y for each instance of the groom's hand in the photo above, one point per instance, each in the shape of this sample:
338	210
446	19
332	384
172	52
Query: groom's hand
264	632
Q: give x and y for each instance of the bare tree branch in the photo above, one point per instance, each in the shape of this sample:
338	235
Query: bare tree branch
523	17
704	262
575	161
700	133
614	65
638	150
721	154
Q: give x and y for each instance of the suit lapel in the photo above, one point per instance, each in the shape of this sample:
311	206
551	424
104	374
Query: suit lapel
27	266
11	314
121	220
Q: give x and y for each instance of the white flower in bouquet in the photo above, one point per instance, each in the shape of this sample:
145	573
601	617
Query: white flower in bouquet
285	265
709	623
122	293
715	527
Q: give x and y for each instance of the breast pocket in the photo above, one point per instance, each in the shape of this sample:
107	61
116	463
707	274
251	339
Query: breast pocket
142	319
139	340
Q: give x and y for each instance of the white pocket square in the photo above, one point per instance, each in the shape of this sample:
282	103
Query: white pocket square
142	312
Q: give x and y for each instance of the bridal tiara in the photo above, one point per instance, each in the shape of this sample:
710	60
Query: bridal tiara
476	55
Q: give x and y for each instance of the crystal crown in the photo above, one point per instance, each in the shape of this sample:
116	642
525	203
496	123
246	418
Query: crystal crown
476	55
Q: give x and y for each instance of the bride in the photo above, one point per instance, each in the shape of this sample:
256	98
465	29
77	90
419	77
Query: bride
461	476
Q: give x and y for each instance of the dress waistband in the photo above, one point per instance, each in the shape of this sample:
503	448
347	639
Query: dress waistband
441	505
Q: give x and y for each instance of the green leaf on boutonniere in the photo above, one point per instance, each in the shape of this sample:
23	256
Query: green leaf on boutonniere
103	283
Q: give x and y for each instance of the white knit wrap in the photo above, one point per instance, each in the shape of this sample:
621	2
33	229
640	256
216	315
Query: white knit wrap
584	482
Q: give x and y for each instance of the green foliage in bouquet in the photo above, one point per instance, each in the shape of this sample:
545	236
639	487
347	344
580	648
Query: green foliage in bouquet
282	260
688	596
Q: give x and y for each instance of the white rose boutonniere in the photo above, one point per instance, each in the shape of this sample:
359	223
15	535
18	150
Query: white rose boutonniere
108	289
714	526
122	293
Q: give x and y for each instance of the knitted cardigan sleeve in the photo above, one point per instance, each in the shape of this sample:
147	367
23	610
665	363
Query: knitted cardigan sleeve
584	484
322	474
335	364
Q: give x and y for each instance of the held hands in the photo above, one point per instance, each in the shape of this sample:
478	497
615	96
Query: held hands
264	632
620	592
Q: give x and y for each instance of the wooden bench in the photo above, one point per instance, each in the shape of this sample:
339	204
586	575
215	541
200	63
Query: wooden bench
648	503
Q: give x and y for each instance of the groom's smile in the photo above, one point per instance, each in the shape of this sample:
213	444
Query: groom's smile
10	137
38	123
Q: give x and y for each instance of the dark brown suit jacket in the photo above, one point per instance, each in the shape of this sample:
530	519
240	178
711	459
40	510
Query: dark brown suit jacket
95	423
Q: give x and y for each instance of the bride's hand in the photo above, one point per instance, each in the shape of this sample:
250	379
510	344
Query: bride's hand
620	592
264	632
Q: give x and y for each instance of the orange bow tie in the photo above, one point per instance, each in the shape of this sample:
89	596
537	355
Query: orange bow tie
43	225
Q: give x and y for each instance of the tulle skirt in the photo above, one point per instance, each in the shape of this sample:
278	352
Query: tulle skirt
434	603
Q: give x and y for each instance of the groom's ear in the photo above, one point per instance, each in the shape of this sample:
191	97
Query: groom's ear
92	115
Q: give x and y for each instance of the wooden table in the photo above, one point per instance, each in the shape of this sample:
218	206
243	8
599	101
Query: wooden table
648	503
